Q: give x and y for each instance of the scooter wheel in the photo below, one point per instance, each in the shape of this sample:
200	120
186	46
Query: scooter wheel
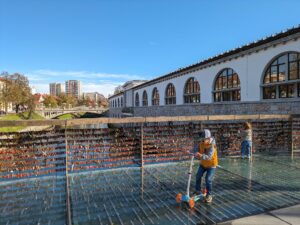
191	203
178	198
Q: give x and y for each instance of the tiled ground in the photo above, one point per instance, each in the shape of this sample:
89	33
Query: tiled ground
136	196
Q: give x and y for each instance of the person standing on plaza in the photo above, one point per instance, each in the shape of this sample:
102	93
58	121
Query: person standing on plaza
246	146
207	153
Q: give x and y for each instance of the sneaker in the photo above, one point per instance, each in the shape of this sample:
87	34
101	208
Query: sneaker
208	199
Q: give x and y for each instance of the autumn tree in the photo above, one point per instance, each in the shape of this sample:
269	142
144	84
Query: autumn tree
50	101
17	91
65	100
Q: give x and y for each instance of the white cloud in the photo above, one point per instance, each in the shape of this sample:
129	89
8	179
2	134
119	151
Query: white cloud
79	74
104	83
103	88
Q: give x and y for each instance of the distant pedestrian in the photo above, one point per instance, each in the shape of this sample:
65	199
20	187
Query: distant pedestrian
246	146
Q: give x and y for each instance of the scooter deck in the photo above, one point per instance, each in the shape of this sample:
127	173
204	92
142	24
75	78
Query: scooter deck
200	197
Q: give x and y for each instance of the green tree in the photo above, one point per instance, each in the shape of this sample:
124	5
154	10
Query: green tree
17	91
50	101
65	100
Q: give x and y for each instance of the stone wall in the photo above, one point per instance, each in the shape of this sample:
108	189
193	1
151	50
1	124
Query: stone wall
276	107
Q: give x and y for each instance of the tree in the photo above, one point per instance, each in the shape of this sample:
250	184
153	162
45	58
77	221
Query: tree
50	101
17	91
66	100
103	102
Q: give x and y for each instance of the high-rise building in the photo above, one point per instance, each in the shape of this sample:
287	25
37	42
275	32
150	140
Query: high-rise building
56	89
73	88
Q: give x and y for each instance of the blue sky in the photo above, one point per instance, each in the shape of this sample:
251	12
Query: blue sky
105	43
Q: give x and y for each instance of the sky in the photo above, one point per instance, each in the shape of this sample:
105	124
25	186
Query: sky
105	43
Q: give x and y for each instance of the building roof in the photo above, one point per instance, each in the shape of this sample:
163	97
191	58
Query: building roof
268	39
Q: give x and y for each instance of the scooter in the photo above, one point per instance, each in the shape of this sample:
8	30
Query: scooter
187	198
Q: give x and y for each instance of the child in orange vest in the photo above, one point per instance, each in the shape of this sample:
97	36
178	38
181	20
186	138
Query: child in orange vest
207	153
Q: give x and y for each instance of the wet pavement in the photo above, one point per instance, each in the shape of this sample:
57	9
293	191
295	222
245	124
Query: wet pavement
147	196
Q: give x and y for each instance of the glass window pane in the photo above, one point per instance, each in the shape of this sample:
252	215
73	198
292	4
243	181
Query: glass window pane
234	96
267	79
290	91
293	74
282	59
229	81
273	74
298	89
217	87
293	56
282	72
224	82
220	82
217	97
269	92
282	91
235	80
226	96
274	63
239	95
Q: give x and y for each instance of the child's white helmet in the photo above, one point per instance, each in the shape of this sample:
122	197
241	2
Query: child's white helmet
205	134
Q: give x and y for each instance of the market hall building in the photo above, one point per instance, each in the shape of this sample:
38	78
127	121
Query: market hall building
262	77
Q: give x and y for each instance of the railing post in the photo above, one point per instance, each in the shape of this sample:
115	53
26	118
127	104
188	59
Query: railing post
68	202
142	145
292	136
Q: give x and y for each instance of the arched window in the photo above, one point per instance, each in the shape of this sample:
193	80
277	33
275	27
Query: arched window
192	91
170	95
121	101
155	97
137	99
145	99
282	77
227	86
118	102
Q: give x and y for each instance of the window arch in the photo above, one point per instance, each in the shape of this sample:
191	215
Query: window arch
155	96
227	86
137	99
282	77
170	95
145	98
118	102
191	91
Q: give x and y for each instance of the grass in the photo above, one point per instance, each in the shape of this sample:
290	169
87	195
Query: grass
19	116
67	116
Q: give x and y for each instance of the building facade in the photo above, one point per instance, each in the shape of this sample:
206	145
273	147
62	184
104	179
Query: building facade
94	96
73	88
260	77
56	89
121	102
4	107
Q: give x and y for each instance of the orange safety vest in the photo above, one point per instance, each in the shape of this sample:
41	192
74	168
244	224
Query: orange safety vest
204	149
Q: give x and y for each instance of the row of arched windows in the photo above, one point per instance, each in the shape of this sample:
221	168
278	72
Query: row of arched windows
281	80
227	88
117	103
